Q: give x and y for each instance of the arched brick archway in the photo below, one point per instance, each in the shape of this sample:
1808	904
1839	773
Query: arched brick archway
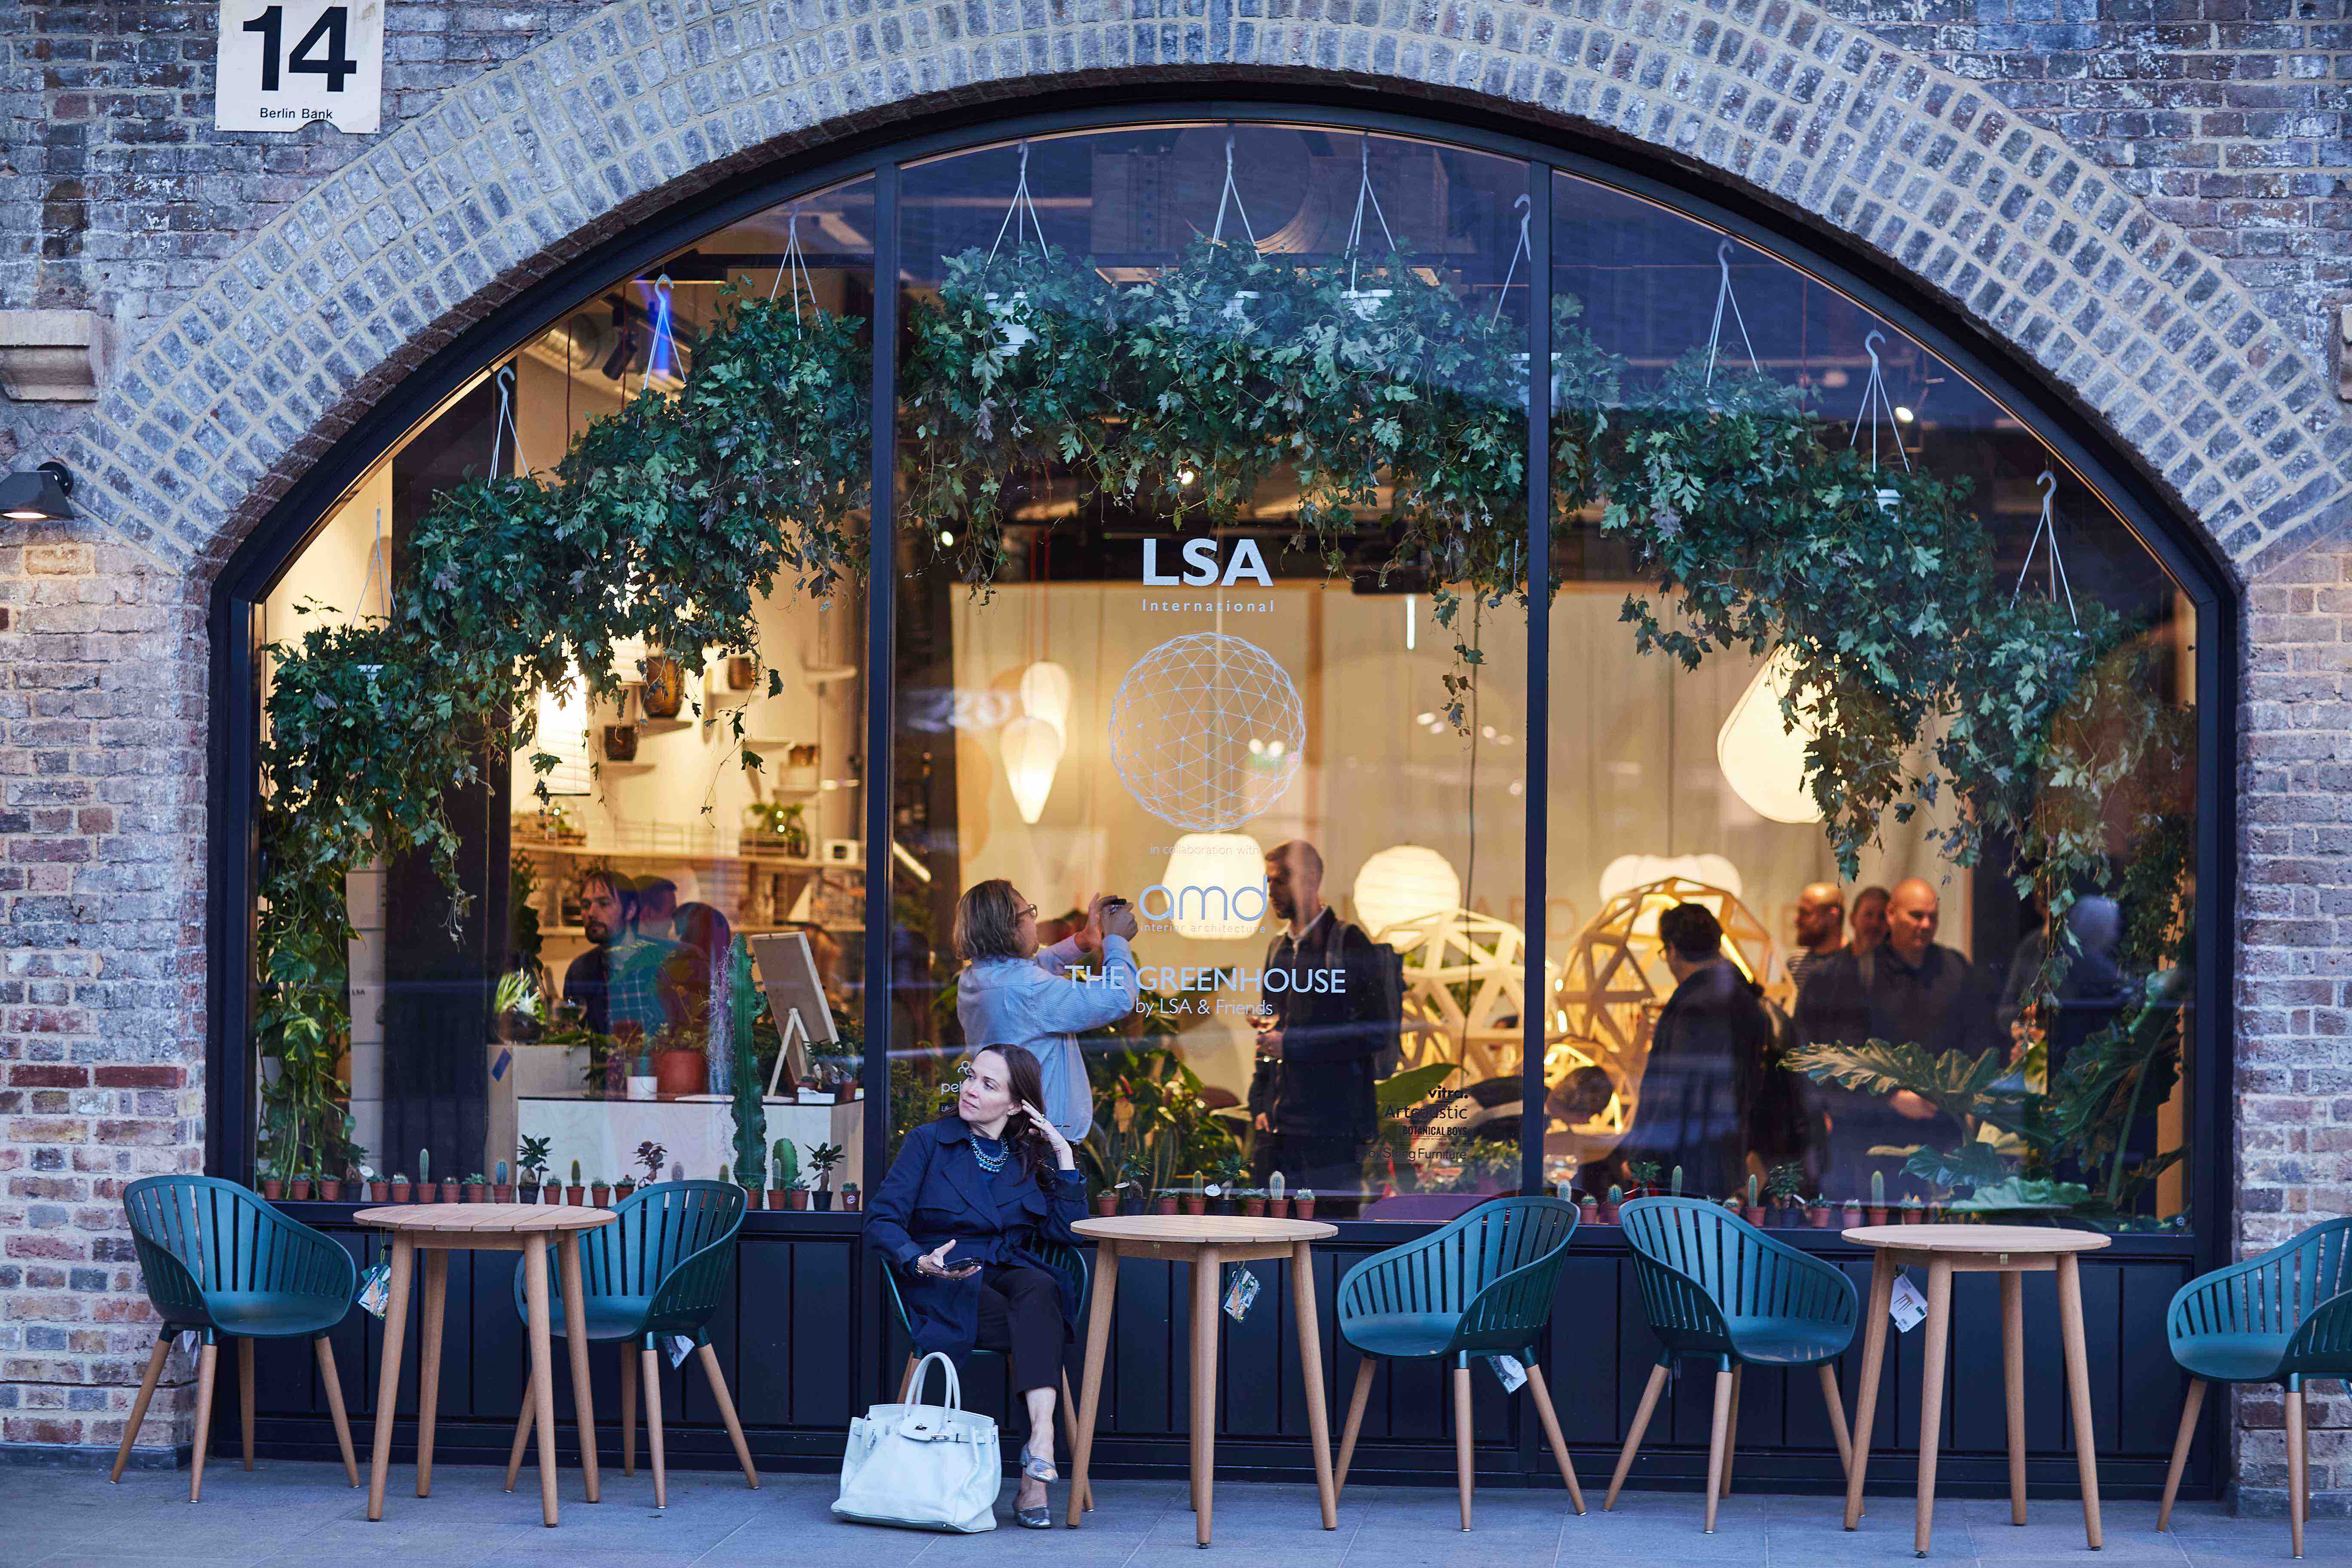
277	353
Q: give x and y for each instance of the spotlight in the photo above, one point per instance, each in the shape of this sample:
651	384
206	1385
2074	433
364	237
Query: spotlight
38	496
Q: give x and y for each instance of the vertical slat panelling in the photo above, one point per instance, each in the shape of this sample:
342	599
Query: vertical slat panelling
763	1367
823	1274
1978	1419
500	1368
1587	1330
2045	1368
1250	1361
2102	1314
1147	1344
2152	1387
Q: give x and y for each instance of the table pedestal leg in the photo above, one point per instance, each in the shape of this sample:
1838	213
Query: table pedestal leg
575	1327
542	1374
1207	1268
2078	1390
2012	1377
1082	1442
1931	1395
387	1385
1311	1371
1865	1399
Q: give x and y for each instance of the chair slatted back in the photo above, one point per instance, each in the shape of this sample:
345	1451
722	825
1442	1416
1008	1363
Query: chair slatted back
1510	1250
666	1243
1699	1266
201	1235
2302	1288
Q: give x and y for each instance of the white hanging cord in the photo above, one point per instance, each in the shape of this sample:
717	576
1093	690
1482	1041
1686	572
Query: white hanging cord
377	561
1364	192
1524	247
795	267
1874	400
1016	210
1232	194
1724	296
664	332
503	423
2058	580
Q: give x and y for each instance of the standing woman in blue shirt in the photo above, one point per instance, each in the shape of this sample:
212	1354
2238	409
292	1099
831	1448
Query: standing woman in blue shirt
968	1203
1014	994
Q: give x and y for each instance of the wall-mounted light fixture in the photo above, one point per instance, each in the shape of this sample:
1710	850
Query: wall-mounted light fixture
38	496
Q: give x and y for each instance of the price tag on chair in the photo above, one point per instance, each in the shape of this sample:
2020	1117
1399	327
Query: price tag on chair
681	1347
1240	1293
1907	1306
1508	1368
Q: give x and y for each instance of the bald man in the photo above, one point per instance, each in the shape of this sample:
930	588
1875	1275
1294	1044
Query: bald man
1821	929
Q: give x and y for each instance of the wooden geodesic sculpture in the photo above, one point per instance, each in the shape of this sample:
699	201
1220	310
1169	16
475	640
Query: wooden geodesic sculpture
1465	992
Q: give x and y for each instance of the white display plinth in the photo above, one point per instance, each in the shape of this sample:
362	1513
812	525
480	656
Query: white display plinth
697	1132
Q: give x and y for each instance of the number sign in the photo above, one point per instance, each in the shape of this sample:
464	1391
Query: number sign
284	63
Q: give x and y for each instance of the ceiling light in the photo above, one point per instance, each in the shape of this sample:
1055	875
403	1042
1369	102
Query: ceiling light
38	496
1904	414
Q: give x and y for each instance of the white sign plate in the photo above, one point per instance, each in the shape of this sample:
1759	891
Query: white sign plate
284	63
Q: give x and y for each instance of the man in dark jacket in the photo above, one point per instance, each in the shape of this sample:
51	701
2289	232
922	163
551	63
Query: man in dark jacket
1707	1056
1324	1024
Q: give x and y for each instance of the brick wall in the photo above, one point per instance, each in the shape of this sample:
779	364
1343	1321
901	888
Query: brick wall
115	193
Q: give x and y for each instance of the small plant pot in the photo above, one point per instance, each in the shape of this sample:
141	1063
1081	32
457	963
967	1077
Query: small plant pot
823	1198
1106	1204
621	1193
1254	1207
577	1197
797	1201
681	1072
332	1192
664	691
1589	1212
401	1193
476	1192
1915	1217
500	1195
273	1188
1306	1208
601	1194
453	1192
620	742
528	1192
1278	1208
1164	1205
779	1199
1819	1216
852	1200
379	1192
1609	1212
1196	1204
1876	1216
299	1189
752	1197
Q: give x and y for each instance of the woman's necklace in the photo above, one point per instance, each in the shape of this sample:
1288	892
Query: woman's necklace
990	1162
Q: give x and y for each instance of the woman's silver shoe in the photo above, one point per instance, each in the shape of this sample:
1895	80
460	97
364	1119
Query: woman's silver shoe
1038	1469
1038	1518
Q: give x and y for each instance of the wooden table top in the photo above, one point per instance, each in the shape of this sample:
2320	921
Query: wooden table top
2022	1239
1205	1230
484	1219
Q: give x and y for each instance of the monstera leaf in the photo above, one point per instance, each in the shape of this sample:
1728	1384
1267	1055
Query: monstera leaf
1413	1086
2016	1192
1956	1084
1972	1164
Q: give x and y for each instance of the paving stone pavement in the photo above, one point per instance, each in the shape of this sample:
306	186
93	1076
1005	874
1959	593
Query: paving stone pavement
288	1514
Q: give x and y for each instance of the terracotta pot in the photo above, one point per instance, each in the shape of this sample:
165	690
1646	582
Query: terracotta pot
1196	1204
1106	1204
798	1198
1819	1215
620	742
1306	1208
1589	1212
664	692
779	1199
742	672
500	1195
1164	1205
601	1194
401	1193
1278	1209
681	1072
1254	1207
1608	1213
453	1192
298	1189
1915	1217
273	1188
476	1192
576	1196
852	1200
1876	1216
331	1191
751	1196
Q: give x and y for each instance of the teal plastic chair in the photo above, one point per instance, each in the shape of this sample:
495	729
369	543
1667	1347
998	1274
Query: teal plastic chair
1480	1285
2279	1317
1714	1286
219	1260
659	1269
1070	1261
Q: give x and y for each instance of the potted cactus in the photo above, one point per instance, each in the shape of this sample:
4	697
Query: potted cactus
576	1192
1164	1201
1817	1211
1306	1203
1277	1196
476	1188
822	1160
378	1189
1733	1203
501	1183
852	1200
1914	1211
331	1188
1878	1198
1755	1207
600	1193
783	1173
1852	1213
1588	1209
1674	1184
1195	1195
1612	1203
273	1186
624	1186
1107	1200
401	1193
298	1186
426	1193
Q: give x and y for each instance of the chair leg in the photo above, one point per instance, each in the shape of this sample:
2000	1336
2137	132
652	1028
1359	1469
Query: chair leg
651	1361
2188	1409
1650	1392
2298	1468
709	1359
523	1424
1550	1419
1718	1444
1731	1439
138	1406
334	1384
1462	1440
628	1414
1356	1402
208	1363
1836	1403
1070	1436
245	1397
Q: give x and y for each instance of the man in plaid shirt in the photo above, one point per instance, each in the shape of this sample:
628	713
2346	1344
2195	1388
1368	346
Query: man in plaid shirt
614	982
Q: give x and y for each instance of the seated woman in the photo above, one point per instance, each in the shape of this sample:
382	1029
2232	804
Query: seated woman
966	1205
1020	995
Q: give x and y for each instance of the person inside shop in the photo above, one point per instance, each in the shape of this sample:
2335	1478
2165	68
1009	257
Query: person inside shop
1910	990
1869	921
1821	929
617	982
1015	993
1708	1055
658	908
1326	1018
968	1203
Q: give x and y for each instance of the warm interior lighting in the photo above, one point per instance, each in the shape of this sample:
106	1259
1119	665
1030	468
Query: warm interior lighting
1404	882
1031	749
1045	694
563	734
1762	757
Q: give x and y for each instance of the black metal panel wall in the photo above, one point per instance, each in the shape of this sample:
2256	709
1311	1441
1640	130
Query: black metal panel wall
805	1341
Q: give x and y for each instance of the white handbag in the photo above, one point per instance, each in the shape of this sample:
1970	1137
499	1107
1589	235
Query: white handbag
923	1467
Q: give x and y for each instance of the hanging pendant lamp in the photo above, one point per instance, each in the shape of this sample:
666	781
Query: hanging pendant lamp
1031	749
1762	757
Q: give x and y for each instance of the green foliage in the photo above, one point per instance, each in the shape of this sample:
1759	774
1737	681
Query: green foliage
1150	1121
1402	1091
786	1173
532	1157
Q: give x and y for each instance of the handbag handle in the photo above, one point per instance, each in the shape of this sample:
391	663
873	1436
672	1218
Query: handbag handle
922	1371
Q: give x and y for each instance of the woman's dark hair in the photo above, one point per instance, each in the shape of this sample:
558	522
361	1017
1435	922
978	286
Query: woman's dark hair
1027	1079
988	921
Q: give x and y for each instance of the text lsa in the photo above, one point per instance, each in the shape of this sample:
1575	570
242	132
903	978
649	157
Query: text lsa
1201	564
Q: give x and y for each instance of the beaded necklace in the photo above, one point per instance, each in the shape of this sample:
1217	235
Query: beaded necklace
991	1162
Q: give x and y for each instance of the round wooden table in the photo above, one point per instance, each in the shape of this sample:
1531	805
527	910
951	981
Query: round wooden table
438	1230
1207	1242
2012	1251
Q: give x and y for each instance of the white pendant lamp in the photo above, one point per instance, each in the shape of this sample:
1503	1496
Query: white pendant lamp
1046	693
562	733
1405	882
1762	757
1216	887
1031	749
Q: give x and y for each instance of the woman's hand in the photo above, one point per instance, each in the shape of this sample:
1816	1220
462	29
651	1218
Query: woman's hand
934	1264
1062	1157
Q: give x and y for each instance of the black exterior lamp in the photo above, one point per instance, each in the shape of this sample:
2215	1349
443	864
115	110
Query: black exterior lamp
39	496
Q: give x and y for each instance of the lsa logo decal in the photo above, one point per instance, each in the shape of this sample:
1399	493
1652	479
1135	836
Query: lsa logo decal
1246	565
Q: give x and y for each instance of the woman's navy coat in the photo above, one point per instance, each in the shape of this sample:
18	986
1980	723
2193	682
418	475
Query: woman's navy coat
936	1192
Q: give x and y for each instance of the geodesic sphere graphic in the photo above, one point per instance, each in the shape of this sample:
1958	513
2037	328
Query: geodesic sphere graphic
1206	731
